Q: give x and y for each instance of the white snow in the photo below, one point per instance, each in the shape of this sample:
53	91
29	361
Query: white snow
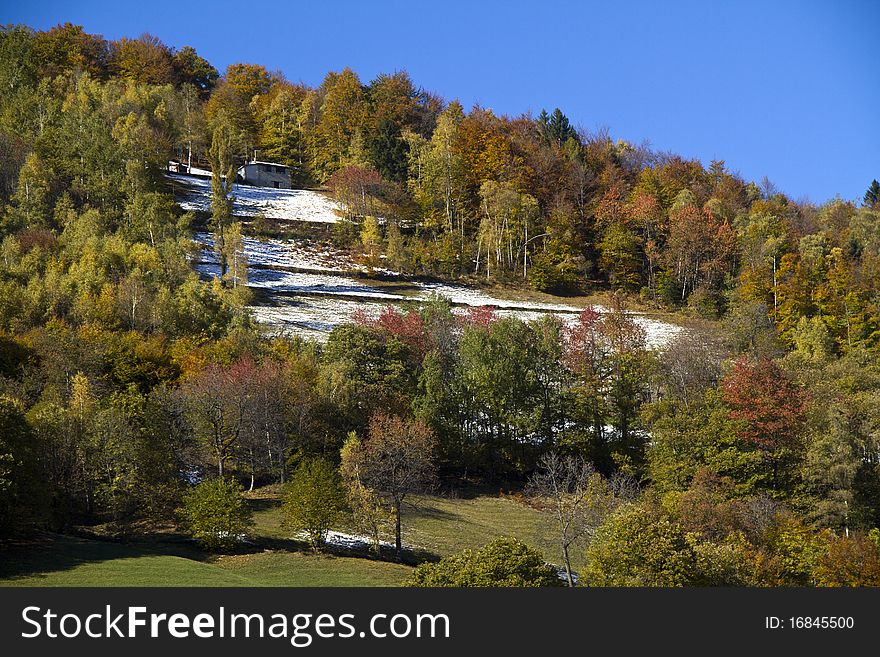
180	167
250	201
348	541
290	254
310	292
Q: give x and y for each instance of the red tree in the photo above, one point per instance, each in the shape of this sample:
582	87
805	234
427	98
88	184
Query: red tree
765	402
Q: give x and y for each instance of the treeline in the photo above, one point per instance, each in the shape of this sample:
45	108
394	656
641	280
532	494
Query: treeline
459	194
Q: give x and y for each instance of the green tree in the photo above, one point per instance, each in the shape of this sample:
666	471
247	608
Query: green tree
872	196
640	546
222	179
313	499
367	511
371	238
216	514
388	152
194	70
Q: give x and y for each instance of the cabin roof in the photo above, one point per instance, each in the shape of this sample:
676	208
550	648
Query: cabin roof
274	164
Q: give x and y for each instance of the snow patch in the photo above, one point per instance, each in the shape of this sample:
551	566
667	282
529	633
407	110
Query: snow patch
355	542
250	201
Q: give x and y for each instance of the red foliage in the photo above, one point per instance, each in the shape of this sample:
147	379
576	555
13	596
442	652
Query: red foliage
480	315
583	340
767	404
31	238
407	327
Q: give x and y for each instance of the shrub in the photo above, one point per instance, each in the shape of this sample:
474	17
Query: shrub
216	514
505	562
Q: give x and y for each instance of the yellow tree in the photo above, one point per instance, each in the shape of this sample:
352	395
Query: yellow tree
342	115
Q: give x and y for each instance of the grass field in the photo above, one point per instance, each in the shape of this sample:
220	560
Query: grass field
445	526
437	525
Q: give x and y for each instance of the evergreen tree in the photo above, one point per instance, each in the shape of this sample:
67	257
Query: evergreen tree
388	152
872	196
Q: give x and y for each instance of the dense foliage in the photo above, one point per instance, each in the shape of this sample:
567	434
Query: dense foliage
504	562
125	379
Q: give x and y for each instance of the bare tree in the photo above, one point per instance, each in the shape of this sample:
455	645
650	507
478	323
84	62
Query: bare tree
577	497
691	364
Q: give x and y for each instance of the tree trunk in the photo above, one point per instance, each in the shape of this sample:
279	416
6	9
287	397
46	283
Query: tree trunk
398	547
568	575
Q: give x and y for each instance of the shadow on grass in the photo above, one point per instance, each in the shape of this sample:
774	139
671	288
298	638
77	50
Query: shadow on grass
258	504
40	557
42	554
425	510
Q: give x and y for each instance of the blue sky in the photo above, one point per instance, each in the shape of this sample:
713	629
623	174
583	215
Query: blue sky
783	89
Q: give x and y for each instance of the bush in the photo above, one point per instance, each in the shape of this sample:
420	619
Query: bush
640	546
314	499
216	514
504	562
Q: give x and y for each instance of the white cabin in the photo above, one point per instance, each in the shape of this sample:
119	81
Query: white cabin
265	174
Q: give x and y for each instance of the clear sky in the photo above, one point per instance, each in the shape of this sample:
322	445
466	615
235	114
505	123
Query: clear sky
784	89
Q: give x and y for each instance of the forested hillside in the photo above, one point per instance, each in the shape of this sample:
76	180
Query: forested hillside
748	449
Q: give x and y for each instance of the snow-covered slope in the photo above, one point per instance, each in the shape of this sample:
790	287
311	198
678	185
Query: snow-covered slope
286	204
309	291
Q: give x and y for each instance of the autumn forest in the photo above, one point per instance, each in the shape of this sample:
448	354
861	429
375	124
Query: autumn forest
139	397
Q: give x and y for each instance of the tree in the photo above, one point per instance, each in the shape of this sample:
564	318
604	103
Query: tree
22	486
620	259
640	546
216	514
206	399
195	70
313	499
388	151
768	409
341	118
509	218
849	561
368	371
367	512
872	196
371	238
222	179
766	402
67	48
575	495
191	119
249	80
145	59
505	562
690	365
396	459
556	127
437	175
282	126
356	189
